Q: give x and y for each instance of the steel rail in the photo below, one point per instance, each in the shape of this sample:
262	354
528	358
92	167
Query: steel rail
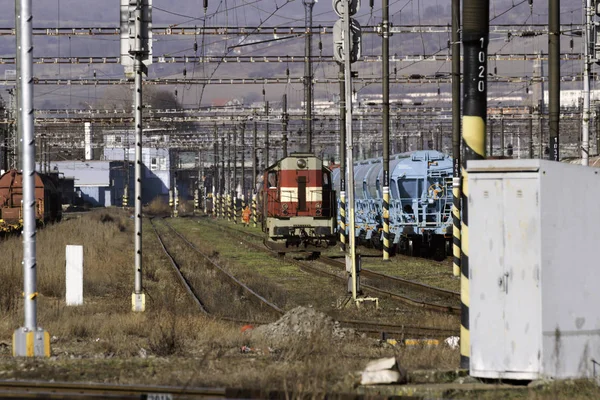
39	389
186	284
306	266
405	282
232	278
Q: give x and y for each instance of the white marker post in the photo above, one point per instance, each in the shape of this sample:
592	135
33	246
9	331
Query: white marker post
74	275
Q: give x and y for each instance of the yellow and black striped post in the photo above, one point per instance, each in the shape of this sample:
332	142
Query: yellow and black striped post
386	223
475	43
228	207
222	203
343	221
456	107
254	216
242	211
234	209
456	196
385	70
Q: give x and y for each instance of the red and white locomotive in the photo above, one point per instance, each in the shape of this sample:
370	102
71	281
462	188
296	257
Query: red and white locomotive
298	204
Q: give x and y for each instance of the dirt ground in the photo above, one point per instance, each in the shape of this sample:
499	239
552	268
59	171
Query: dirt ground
171	343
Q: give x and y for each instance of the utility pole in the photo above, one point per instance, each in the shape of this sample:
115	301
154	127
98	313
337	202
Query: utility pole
554	76
138	51
530	132
598	130
18	144
284	119
235	169
585	142
267	135
244	199
346	34
254	160
342	158
308	14
222	186
475	37
385	33
30	340
215	170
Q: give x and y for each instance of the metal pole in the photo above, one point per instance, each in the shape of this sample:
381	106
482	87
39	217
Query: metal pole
554	75
475	44
491	139
308	9
18	149
285	125
244	198
456	108
343	235
349	150
585	142
502	153
29	340
598	130
386	128
235	166
531	132
25	96
254	161
222	186
138	298
267	136
215	170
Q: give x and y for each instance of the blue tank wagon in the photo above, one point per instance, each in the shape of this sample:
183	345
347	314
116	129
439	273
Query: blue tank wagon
420	202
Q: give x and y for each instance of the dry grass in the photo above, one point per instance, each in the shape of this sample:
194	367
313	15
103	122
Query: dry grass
158	206
170	343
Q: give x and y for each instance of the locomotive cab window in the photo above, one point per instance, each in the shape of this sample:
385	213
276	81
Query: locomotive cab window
272	179
325	180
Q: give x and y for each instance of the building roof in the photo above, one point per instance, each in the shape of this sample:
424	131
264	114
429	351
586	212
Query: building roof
85	173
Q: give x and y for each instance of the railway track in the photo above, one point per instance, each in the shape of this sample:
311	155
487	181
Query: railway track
433	295
64	390
233	280
380	329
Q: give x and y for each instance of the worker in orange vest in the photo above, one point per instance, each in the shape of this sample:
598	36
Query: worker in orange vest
246	215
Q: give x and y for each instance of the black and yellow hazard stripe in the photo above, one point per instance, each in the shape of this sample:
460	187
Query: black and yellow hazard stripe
229	207
254	216
343	221
386	223
456	197
475	43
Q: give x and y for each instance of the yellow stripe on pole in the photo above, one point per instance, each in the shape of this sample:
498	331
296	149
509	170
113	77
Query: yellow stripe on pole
474	134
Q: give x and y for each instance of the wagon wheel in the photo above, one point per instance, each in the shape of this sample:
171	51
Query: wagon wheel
410	250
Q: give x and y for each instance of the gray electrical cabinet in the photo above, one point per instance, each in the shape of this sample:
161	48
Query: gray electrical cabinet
534	257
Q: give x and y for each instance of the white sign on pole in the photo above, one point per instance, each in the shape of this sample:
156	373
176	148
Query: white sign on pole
128	34
74	277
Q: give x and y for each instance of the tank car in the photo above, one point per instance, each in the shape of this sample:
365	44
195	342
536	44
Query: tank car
298	204
48	200
420	202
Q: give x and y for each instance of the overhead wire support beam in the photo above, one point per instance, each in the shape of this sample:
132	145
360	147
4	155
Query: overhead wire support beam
183	59
513	29
414	79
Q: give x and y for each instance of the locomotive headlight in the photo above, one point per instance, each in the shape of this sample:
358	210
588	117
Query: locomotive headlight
301	163
318	205
284	206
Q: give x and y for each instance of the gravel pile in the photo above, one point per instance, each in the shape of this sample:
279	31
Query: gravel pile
302	322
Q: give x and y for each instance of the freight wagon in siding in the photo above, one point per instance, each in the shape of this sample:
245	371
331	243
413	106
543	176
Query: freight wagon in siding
47	197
